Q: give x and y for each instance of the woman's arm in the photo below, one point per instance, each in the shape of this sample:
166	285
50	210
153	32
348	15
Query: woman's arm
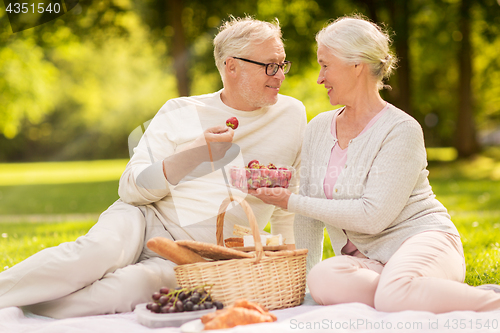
390	182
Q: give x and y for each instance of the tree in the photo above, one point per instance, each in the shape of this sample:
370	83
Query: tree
465	138
179	48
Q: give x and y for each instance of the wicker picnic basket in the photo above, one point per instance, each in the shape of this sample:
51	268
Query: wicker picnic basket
276	280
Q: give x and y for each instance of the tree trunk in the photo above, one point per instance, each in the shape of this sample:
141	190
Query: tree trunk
179	49
400	17
465	137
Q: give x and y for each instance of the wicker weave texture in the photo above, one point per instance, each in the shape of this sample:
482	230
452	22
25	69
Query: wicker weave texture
274	282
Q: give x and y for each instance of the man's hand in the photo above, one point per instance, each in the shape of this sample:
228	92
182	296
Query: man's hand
217	140
211	146
274	196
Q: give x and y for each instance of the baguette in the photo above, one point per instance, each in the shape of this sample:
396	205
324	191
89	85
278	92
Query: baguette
174	252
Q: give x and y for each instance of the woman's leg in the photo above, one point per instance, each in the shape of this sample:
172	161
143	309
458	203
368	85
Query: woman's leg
426	273
344	279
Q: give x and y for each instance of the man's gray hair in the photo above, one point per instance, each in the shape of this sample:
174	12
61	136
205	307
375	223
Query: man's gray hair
238	35
357	40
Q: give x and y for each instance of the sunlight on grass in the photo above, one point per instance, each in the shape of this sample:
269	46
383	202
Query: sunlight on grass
74	198
481	241
61	172
21	240
444	154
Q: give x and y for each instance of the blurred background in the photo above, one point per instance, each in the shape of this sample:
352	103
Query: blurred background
74	88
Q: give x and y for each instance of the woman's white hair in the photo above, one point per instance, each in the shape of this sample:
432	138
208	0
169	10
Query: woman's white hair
237	35
357	40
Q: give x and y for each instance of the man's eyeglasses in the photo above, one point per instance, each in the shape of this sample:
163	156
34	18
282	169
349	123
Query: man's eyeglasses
272	67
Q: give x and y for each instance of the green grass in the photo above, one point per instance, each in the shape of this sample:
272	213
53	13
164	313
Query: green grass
60	172
57	198
469	189
20	240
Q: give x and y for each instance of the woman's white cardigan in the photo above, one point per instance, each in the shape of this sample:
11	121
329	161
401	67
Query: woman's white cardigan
381	197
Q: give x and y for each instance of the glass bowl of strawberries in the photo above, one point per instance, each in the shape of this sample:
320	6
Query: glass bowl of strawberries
256	175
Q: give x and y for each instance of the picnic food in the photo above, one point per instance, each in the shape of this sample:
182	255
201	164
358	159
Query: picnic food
254	164
172	251
239	230
256	175
242	312
266	240
232	122
233	241
182	299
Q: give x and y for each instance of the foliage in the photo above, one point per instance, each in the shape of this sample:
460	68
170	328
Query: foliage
99	88
23	98
75	87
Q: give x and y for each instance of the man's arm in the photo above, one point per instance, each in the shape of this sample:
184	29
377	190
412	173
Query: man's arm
209	147
158	163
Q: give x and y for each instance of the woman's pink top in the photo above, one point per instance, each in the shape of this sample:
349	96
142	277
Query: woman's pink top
337	162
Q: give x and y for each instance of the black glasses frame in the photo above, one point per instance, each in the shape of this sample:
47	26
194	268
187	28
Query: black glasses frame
272	67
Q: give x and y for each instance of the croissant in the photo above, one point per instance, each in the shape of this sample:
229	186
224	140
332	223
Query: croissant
243	303
234	316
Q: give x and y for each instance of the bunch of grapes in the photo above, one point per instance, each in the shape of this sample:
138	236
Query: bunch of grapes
182	299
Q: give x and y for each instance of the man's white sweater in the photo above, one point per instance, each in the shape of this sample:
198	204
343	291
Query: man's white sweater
188	210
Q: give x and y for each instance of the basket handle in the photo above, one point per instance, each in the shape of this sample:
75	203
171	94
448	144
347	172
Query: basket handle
259	251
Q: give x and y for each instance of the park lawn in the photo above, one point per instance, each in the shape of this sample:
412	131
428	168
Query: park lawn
18	241
469	189
75	198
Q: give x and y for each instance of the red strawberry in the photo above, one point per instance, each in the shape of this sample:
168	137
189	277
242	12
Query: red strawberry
235	173
254	164
265	182
272	166
232	122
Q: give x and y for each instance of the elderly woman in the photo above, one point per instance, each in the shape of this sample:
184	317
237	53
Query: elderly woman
364	177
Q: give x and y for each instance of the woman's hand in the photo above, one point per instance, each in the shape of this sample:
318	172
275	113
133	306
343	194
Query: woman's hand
275	196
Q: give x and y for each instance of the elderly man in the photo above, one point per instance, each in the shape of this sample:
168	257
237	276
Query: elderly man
165	192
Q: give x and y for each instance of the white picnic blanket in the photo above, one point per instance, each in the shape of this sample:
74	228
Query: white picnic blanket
309	317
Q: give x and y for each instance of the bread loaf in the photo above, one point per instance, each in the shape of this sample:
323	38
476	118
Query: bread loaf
172	251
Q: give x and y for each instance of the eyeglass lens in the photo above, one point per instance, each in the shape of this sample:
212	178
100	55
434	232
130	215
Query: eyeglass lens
272	69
